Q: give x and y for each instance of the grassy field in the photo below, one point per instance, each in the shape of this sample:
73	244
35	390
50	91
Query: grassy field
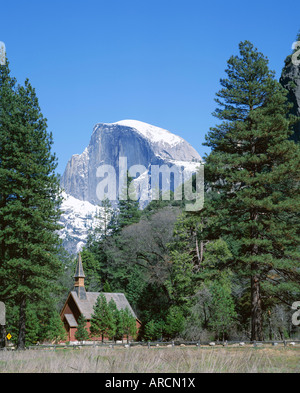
154	360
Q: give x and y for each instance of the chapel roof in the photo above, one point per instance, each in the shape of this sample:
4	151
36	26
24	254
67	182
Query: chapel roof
85	306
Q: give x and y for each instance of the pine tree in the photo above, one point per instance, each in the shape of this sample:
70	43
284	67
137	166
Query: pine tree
129	211
136	285
153	330
223	312
105	218
33	329
180	282
29	200
81	334
92	269
102	321
175	322
128	323
253	175
106	287
186	259
116	332
51	327
55	330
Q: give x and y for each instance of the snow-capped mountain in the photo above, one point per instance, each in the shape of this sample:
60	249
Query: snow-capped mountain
77	218
140	143
142	148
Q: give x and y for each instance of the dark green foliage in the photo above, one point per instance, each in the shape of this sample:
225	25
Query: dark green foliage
43	323
135	287
153	330
129	211
185	259
116	314
102	321
32	332
253	172
106	287
127	323
175	322
81	333
222	310
55	331
29	200
92	270
108	321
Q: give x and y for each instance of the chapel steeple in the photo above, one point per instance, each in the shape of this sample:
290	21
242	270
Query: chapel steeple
79	279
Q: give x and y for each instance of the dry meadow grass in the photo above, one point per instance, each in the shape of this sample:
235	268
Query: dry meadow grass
154	360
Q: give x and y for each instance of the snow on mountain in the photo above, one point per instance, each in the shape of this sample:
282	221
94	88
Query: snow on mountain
152	133
77	218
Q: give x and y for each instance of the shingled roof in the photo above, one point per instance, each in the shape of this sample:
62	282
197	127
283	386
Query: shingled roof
85	306
71	320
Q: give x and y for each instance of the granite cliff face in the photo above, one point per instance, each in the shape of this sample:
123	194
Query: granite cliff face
290	80
141	144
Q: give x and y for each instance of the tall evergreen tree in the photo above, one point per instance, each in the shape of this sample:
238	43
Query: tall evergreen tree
129	211
105	219
153	330
81	333
116	332
29	200
55	328
106	287
253	173
102	321
222	313
175	322
128	323
92	269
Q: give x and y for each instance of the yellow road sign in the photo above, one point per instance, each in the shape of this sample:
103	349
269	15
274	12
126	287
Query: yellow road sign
9	336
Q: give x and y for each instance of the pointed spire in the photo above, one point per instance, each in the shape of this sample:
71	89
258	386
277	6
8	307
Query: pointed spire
79	268
79	280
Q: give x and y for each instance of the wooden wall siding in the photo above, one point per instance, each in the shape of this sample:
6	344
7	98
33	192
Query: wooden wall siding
71	332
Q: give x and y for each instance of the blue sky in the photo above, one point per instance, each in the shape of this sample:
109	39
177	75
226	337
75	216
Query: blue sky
160	61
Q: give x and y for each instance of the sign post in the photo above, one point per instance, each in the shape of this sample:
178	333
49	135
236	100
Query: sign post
2	325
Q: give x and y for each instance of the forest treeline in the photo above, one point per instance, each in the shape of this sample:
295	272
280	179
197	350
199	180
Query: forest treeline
230	270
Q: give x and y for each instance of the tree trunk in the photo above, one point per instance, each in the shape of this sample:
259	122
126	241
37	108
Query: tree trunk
2	336
199	257
256	311
22	324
